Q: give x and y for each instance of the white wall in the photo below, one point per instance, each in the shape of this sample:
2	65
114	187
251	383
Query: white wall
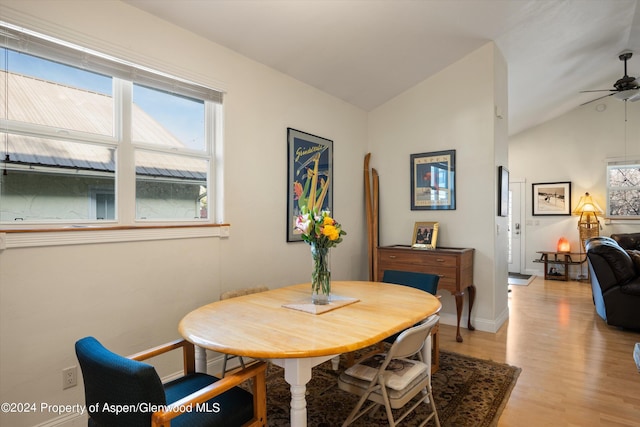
444	113
573	147
132	295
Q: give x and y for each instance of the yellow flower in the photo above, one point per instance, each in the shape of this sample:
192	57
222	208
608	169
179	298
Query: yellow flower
331	232
328	221
319	228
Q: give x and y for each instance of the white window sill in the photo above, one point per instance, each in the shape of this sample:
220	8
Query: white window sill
86	235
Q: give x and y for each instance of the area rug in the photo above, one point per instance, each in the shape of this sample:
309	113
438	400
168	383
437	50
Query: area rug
520	279
467	392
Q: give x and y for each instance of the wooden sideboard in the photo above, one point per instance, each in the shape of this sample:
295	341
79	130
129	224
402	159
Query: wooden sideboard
453	265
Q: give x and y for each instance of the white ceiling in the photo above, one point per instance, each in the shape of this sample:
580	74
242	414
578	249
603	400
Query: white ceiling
368	51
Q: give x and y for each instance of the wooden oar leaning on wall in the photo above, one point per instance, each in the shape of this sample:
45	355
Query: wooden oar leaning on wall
376	224
371	208
368	212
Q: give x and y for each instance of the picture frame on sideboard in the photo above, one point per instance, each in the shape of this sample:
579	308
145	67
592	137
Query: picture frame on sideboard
425	235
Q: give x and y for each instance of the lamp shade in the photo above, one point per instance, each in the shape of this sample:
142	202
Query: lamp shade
587	205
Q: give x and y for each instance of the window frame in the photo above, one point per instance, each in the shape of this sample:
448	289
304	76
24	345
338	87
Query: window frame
620	164
121	141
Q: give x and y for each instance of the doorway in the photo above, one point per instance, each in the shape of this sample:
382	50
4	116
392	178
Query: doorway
515	229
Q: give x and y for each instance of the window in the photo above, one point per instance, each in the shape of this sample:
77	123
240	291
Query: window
86	138
623	189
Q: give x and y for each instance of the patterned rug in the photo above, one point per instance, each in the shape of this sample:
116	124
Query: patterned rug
467	392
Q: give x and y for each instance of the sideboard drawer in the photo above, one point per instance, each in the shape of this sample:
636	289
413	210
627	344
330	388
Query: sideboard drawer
448	275
448	278
418	257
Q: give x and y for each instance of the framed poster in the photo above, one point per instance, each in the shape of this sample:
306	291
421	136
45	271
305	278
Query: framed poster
551	198
433	180
425	235
309	178
503	191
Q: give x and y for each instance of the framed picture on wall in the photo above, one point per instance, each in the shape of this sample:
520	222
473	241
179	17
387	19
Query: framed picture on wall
433	180
503	191
551	198
310	176
425	235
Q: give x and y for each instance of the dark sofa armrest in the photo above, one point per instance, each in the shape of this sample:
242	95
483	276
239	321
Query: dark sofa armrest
609	259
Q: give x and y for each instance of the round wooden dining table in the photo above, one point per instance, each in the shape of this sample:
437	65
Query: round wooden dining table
282	326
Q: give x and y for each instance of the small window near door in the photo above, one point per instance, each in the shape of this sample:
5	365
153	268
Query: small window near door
623	189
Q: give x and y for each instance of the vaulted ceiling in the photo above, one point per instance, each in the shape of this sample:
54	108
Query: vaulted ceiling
368	51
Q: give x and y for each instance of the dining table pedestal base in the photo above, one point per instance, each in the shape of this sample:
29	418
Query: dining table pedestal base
297	373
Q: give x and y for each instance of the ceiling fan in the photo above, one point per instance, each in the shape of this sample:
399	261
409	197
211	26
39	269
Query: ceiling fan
626	88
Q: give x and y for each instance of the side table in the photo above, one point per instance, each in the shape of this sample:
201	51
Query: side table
556	264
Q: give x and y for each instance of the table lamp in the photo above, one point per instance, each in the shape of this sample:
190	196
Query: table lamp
588	224
563	245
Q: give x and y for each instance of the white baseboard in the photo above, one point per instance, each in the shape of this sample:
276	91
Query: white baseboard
485	325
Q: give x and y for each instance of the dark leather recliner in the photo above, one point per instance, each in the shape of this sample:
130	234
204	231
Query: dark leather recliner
615	283
628	241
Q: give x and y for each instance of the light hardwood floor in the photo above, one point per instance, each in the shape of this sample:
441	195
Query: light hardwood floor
576	370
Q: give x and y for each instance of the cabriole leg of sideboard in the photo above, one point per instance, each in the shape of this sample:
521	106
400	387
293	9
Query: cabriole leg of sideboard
459	304
472	298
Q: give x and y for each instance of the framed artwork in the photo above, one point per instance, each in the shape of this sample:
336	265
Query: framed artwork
551	198
433	180
425	235
309	178
503	191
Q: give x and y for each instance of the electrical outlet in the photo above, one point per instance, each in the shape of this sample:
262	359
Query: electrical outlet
69	377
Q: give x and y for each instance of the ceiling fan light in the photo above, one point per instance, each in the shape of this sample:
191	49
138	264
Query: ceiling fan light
635	97
628	95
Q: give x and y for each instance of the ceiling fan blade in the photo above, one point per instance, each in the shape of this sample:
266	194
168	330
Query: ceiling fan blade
599	90
593	100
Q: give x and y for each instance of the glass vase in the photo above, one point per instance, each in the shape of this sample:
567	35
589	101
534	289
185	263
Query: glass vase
320	276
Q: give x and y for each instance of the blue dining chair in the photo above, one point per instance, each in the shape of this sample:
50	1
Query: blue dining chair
424	281
112	381
427	282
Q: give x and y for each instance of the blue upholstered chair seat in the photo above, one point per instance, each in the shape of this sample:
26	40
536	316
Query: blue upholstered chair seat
235	406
